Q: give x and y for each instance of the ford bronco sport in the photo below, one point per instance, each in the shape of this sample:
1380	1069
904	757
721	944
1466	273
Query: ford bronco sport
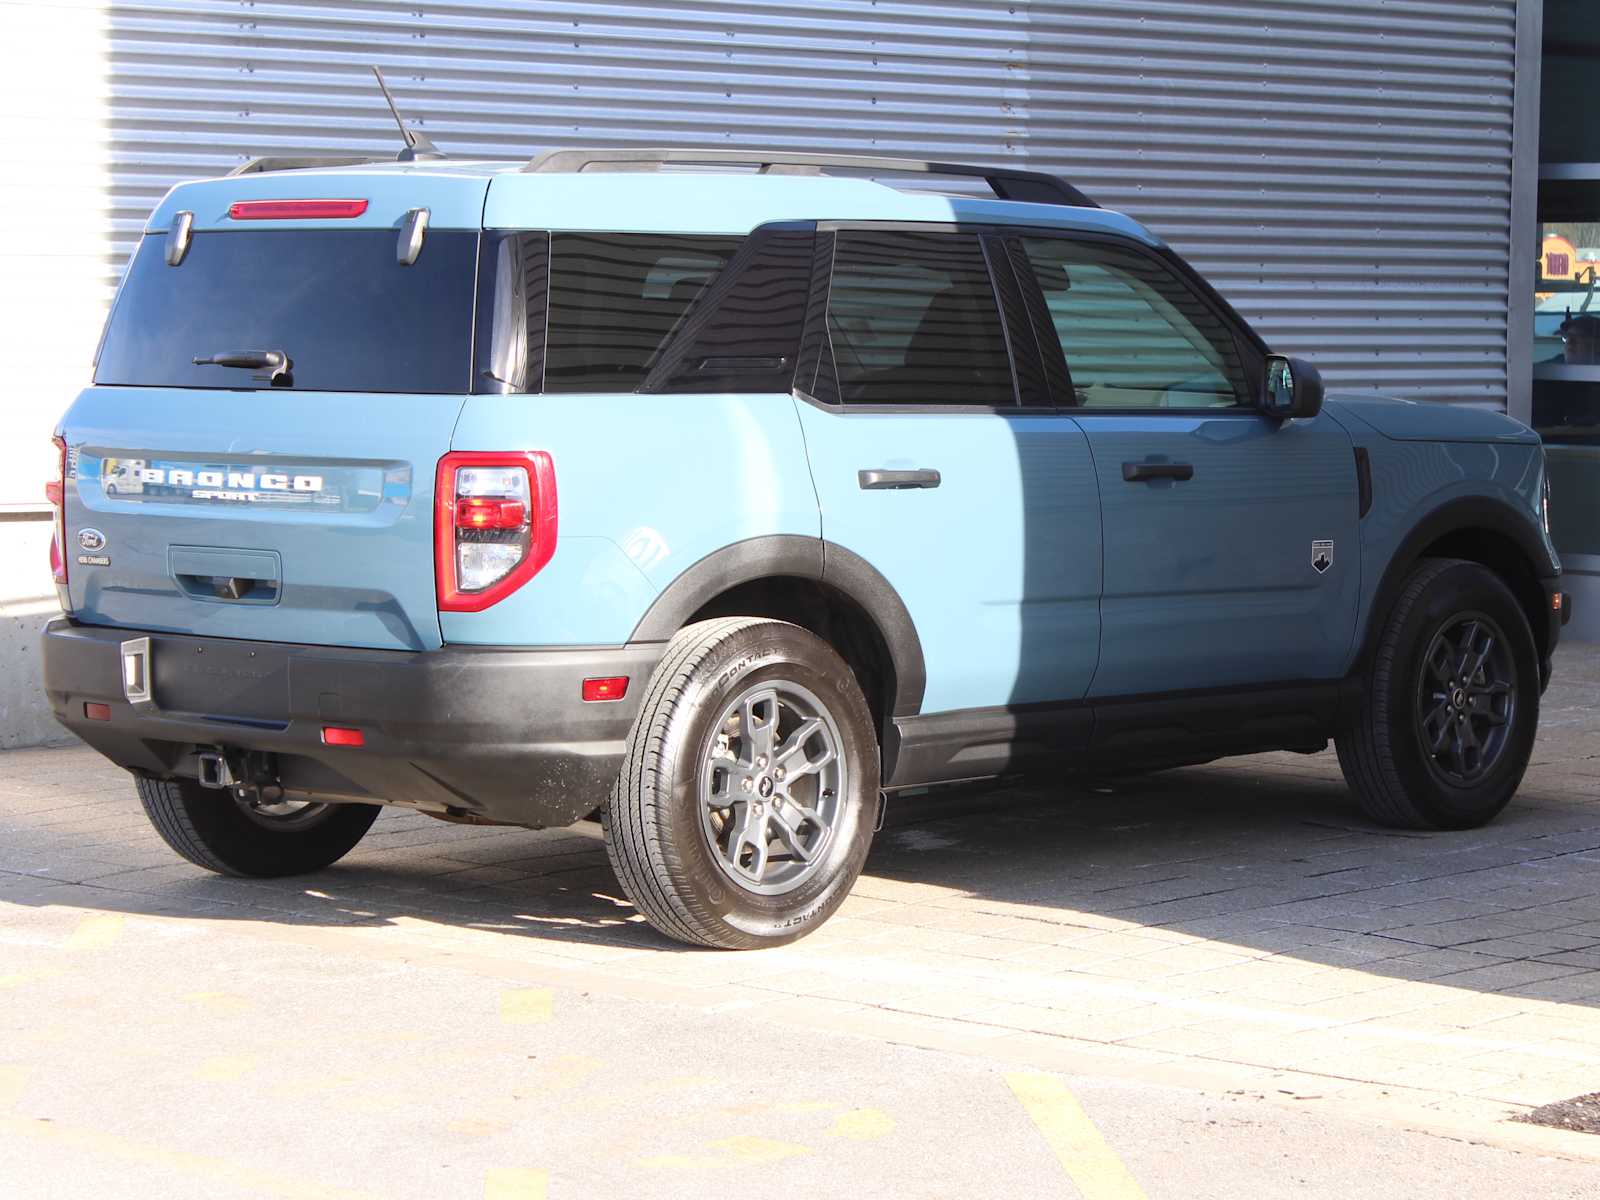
862	487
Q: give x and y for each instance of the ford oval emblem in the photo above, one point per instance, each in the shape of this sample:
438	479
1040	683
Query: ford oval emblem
91	541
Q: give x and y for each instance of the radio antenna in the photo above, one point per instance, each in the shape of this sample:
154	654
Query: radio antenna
418	145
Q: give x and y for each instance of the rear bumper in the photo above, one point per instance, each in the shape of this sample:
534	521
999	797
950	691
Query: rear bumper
501	734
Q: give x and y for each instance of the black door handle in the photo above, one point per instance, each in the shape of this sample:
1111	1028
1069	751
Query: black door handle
870	480
1138	472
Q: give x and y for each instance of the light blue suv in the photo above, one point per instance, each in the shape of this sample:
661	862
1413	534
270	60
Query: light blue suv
726	501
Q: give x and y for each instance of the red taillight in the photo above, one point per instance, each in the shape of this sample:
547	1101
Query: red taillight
484	512
339	735
294	210
613	687
494	525
56	492
96	712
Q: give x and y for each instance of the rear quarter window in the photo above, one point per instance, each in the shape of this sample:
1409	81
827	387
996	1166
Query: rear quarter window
617	299
350	317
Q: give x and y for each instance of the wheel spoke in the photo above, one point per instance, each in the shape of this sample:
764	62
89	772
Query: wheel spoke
749	833
1469	634
725	778
795	743
1438	740
758	724
789	821
1458	751
1439	662
1481	656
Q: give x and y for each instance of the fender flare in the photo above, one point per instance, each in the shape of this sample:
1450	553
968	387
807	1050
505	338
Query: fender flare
812	558
1455	516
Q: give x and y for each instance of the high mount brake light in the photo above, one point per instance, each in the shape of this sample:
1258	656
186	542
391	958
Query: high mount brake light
55	491
292	210
494	525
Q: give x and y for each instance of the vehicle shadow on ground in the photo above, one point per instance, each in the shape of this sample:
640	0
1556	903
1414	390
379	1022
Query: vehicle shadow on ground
1258	856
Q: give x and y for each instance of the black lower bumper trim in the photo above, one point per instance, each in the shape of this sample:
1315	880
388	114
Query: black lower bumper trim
501	734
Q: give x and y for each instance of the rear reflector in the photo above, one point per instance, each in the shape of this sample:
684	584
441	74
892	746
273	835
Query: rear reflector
294	210
614	687
97	712
338	735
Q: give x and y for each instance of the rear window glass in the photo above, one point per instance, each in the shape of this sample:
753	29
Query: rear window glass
350	317
617	299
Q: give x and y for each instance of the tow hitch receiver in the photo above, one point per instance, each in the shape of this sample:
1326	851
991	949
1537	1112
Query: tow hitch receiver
214	771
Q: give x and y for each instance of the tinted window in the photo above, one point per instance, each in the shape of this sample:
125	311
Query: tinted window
744	334
615	300
913	320
1134	335
348	315
512	303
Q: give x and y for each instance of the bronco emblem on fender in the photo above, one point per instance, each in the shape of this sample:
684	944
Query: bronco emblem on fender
1321	556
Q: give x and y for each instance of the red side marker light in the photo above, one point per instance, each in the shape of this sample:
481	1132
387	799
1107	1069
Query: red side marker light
613	687
294	210
55	491
1555	602
338	735
97	712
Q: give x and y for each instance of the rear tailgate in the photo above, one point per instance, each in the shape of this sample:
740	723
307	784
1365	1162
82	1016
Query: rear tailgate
203	499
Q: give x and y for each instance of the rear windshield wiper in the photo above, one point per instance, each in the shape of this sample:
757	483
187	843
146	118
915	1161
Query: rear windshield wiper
275	363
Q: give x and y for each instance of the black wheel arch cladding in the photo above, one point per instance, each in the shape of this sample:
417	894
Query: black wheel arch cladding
797	556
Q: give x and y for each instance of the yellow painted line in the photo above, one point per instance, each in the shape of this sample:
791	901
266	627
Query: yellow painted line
525	1006
212	1170
863	1124
744	1150
225	1068
95	933
33	975
221	1004
12	1080
515	1183
1085	1155
478	1126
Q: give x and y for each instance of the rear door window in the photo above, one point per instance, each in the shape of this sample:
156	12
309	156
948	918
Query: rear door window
350	317
913	320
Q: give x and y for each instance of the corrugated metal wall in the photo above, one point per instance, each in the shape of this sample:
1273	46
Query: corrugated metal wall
1340	168
1341	171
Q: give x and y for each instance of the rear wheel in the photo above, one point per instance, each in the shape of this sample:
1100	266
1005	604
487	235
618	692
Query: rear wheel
745	806
217	830
1451	703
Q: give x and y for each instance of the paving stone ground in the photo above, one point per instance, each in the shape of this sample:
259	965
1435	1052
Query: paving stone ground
1236	928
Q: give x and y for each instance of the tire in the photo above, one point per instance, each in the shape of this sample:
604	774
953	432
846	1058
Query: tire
1416	696
725	690
214	830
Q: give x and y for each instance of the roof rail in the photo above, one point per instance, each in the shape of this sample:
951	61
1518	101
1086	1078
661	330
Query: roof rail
289	162
1007	183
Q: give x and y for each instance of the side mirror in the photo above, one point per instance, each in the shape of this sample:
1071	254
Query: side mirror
1294	388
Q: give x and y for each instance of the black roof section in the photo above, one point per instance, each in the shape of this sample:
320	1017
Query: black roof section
1007	183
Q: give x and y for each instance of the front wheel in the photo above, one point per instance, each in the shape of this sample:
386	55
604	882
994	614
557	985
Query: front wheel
217	830
1451	703
746	803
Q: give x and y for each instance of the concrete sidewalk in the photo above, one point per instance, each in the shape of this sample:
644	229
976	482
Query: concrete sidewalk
1235	935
